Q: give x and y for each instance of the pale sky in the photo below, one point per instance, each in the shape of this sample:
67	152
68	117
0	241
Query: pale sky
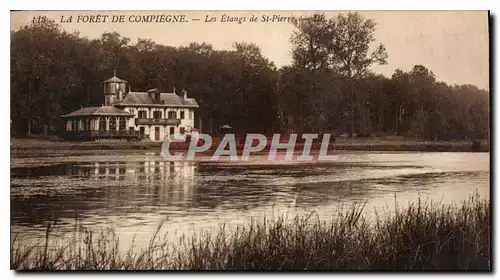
452	44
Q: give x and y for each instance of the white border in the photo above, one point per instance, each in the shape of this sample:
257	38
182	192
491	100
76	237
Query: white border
203	5
255	5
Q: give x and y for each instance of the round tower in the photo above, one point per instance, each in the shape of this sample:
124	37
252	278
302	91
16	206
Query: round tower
115	90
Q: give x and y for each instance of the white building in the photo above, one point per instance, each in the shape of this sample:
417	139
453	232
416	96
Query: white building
153	115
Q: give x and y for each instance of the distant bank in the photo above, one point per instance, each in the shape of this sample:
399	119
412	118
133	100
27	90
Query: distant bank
361	144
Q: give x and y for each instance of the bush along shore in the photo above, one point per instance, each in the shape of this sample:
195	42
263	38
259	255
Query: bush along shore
19	144
422	236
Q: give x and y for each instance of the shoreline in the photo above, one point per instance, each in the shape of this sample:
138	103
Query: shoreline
19	144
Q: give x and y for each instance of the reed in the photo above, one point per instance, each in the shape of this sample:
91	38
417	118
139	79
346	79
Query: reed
422	236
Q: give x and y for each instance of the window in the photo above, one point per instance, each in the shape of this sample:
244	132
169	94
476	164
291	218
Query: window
87	124
157	133
172	115
182	130
141	130
121	124
182	114
172	130
132	111
142	114
102	123
157	114
112	123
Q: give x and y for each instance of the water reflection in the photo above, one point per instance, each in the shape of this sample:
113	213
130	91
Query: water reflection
134	191
103	188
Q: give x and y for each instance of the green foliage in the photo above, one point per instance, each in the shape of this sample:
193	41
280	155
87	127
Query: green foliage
54	72
331	67
327	89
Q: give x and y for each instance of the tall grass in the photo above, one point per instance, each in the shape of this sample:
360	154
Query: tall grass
422	236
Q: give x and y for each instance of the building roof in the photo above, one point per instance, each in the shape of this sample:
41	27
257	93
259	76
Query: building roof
98	111
114	79
168	99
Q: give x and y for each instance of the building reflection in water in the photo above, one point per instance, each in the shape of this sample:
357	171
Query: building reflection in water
133	171
101	188
147	183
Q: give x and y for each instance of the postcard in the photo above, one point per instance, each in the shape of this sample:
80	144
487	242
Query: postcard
250	140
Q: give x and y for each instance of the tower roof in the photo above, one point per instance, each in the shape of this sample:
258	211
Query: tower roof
114	79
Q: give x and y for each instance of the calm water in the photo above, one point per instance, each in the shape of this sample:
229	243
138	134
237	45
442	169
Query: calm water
136	191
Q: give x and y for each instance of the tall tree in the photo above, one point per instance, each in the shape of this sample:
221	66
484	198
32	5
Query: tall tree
54	72
309	43
349	49
340	46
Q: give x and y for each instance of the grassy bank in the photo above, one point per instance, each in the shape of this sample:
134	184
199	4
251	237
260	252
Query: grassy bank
369	144
423	236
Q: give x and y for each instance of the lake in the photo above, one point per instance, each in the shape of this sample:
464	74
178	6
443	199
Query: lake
135	191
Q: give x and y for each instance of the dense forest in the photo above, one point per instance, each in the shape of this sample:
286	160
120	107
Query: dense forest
328	88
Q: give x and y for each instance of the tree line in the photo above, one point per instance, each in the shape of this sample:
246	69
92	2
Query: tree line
328	88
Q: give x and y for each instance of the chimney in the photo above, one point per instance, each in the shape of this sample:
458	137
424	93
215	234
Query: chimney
184	94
